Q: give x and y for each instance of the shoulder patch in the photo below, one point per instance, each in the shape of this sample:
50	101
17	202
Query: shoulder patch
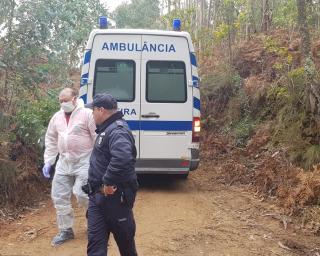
119	123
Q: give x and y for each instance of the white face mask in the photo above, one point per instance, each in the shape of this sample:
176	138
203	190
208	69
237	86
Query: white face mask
67	107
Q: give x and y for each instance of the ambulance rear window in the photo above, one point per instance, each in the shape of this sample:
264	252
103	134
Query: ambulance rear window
166	82
116	77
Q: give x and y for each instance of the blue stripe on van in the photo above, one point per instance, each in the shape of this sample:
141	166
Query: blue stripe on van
193	59
196	103
86	75
134	125
87	57
160	125
84	98
84	79
195	81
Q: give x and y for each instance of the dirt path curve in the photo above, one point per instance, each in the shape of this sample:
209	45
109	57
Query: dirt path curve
192	217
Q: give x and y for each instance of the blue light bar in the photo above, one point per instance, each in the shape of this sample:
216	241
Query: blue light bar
176	24
103	22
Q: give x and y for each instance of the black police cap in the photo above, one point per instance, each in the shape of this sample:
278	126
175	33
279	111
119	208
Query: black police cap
103	100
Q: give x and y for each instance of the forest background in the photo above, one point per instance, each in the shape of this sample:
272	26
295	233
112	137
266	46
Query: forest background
259	66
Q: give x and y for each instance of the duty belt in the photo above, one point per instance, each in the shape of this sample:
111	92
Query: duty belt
112	189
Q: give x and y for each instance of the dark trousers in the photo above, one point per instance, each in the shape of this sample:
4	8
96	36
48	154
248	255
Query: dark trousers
106	215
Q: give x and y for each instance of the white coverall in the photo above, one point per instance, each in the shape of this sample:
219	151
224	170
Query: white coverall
73	142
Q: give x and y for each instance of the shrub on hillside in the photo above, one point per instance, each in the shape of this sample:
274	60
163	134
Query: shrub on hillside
217	88
33	117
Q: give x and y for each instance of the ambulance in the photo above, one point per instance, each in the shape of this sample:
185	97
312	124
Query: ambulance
153	75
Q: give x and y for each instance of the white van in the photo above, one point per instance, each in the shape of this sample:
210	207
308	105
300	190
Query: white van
153	75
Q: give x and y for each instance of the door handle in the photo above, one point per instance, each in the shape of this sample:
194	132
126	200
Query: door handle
150	115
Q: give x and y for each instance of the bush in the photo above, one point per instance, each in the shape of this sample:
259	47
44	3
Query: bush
242	131
32	119
8	175
221	78
217	88
4	121
295	127
240	118
311	156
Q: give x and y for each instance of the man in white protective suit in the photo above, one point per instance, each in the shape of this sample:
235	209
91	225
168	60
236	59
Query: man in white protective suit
71	134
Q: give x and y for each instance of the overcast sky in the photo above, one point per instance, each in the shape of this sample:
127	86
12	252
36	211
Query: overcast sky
112	4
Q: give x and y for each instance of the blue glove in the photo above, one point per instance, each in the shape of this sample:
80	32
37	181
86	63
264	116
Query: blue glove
46	170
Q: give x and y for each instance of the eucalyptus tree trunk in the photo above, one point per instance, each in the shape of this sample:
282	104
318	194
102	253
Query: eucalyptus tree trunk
188	4
8	61
303	28
252	17
209	13
312	88
202	13
177	4
266	16
162	7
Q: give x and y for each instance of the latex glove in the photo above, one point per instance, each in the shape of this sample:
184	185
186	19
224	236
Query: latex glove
46	170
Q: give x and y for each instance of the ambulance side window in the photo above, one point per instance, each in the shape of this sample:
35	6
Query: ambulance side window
166	82
116	77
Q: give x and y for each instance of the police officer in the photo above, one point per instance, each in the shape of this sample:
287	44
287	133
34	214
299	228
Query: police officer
112	182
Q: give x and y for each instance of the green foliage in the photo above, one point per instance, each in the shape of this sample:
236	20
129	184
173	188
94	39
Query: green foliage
223	76
56	28
222	31
288	105
42	43
5	10
8	177
223	86
242	130
278	95
311	156
289	90
186	15
272	46
218	86
288	133
137	14
283	65
240	119
5	121
297	76
32	118
285	14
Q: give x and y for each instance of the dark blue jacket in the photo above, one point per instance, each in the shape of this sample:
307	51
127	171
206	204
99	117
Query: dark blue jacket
113	157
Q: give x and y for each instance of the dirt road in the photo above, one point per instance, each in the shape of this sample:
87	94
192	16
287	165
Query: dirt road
197	216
